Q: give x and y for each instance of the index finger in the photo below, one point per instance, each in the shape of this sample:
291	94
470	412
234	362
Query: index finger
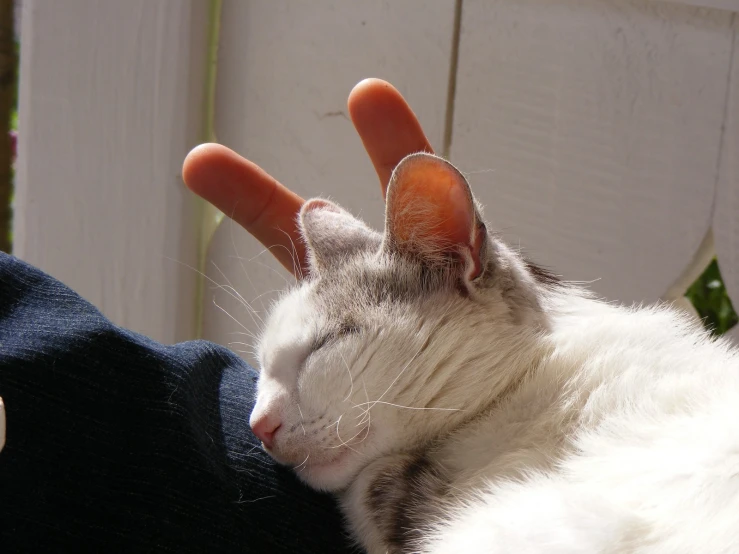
387	126
251	197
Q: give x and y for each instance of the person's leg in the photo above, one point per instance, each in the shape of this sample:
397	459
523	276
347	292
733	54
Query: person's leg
115	442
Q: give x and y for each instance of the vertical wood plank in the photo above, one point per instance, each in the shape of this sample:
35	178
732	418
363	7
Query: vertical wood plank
285	70
591	130
731	5
726	218
111	100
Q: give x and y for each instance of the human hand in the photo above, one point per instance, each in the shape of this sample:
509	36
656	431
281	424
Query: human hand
267	209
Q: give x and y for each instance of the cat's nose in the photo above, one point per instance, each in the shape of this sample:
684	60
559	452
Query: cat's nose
265	427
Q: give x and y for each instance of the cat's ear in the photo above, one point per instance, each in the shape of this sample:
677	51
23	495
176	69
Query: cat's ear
431	215
332	234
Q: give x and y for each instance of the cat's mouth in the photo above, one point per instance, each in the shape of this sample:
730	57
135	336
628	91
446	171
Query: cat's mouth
325	468
309	461
324	465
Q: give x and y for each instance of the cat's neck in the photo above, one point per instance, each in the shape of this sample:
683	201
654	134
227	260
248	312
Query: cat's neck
524	349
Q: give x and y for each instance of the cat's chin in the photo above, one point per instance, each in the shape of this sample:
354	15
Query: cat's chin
330	476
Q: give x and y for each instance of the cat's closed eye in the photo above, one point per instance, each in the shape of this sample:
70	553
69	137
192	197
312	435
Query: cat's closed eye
346	329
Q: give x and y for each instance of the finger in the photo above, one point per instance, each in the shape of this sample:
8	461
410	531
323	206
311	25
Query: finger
251	197
387	126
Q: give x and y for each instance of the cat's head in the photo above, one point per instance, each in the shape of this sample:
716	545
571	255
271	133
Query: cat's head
393	338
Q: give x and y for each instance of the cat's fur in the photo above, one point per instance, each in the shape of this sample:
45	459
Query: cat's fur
459	399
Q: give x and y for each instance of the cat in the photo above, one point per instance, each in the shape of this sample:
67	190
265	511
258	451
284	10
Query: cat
458	398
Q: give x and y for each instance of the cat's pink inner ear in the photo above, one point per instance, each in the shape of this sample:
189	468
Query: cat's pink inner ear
318	204
430	208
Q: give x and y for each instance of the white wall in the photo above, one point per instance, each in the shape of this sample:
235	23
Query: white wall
592	130
111	100
600	134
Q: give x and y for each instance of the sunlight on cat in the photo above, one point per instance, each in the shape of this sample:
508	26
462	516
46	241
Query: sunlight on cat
458	398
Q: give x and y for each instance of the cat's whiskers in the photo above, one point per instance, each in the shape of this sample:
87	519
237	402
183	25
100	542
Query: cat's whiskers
338	422
423	346
236	251
345	442
301	418
366	413
411	407
365	429
351	380
297	268
231	291
241	351
272	269
338	435
235	294
246	330
242	456
367	432
228	289
365	423
400	374
342	442
266	293
302	464
250	347
361	371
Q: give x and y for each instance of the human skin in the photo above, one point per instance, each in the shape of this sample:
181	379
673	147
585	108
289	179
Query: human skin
389	131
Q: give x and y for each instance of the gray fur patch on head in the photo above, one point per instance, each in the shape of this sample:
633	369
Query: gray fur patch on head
333	235
376	283
355	267
352	272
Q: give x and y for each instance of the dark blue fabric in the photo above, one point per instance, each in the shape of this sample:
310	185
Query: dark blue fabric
118	443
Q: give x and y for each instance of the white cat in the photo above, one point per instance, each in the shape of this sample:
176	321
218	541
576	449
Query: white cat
460	399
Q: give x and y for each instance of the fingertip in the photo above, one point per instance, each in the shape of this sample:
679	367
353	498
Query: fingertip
386	125
247	194
201	161
371	85
371	92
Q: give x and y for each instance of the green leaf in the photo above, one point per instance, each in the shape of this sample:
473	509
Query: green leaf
710	299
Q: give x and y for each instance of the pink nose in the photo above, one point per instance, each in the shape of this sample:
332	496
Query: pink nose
265	428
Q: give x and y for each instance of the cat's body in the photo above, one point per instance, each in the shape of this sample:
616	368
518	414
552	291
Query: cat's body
459	399
624	438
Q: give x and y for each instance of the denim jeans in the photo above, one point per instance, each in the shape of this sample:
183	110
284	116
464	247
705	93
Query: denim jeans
118	443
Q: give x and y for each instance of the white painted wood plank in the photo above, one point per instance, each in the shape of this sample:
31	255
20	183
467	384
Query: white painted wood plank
285	70
591	130
111	100
726	218
731	5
